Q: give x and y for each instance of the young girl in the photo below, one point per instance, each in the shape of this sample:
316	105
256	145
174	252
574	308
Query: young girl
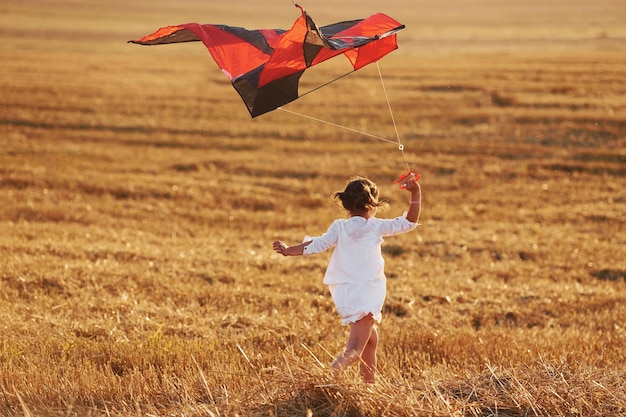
355	275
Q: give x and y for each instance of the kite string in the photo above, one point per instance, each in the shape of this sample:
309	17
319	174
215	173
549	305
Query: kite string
395	126
338	125
393	119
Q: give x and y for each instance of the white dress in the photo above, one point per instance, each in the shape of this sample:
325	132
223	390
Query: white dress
356	270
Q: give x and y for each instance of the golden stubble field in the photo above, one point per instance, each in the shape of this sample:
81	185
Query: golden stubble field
139	202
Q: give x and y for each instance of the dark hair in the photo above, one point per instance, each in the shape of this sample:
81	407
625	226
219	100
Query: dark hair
360	195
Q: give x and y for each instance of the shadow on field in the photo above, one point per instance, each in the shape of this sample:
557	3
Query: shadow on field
363	401
609	275
324	400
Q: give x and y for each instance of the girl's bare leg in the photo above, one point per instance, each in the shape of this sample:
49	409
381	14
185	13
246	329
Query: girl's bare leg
368	357
360	338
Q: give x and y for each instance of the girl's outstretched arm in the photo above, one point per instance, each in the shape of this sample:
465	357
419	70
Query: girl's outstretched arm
415	205
294	250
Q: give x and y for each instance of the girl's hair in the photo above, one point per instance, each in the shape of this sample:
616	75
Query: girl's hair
360	195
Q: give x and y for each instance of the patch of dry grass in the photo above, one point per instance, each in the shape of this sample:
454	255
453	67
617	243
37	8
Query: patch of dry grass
139	202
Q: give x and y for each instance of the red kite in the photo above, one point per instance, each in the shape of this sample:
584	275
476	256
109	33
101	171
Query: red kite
265	65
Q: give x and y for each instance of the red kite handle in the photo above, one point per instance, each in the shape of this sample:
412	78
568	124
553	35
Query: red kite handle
404	178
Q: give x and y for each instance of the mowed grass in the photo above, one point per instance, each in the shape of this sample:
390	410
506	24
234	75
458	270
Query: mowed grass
139	203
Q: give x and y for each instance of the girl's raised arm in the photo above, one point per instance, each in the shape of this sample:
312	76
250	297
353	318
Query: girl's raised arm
415	205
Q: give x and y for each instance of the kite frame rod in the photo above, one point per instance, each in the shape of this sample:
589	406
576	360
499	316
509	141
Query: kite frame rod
327	83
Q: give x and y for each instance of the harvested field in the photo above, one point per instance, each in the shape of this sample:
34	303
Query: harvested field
140	201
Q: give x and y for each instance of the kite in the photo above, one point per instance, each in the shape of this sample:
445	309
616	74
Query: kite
265	65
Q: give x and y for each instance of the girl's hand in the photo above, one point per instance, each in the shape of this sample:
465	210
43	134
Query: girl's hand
412	186
295	250
279	247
